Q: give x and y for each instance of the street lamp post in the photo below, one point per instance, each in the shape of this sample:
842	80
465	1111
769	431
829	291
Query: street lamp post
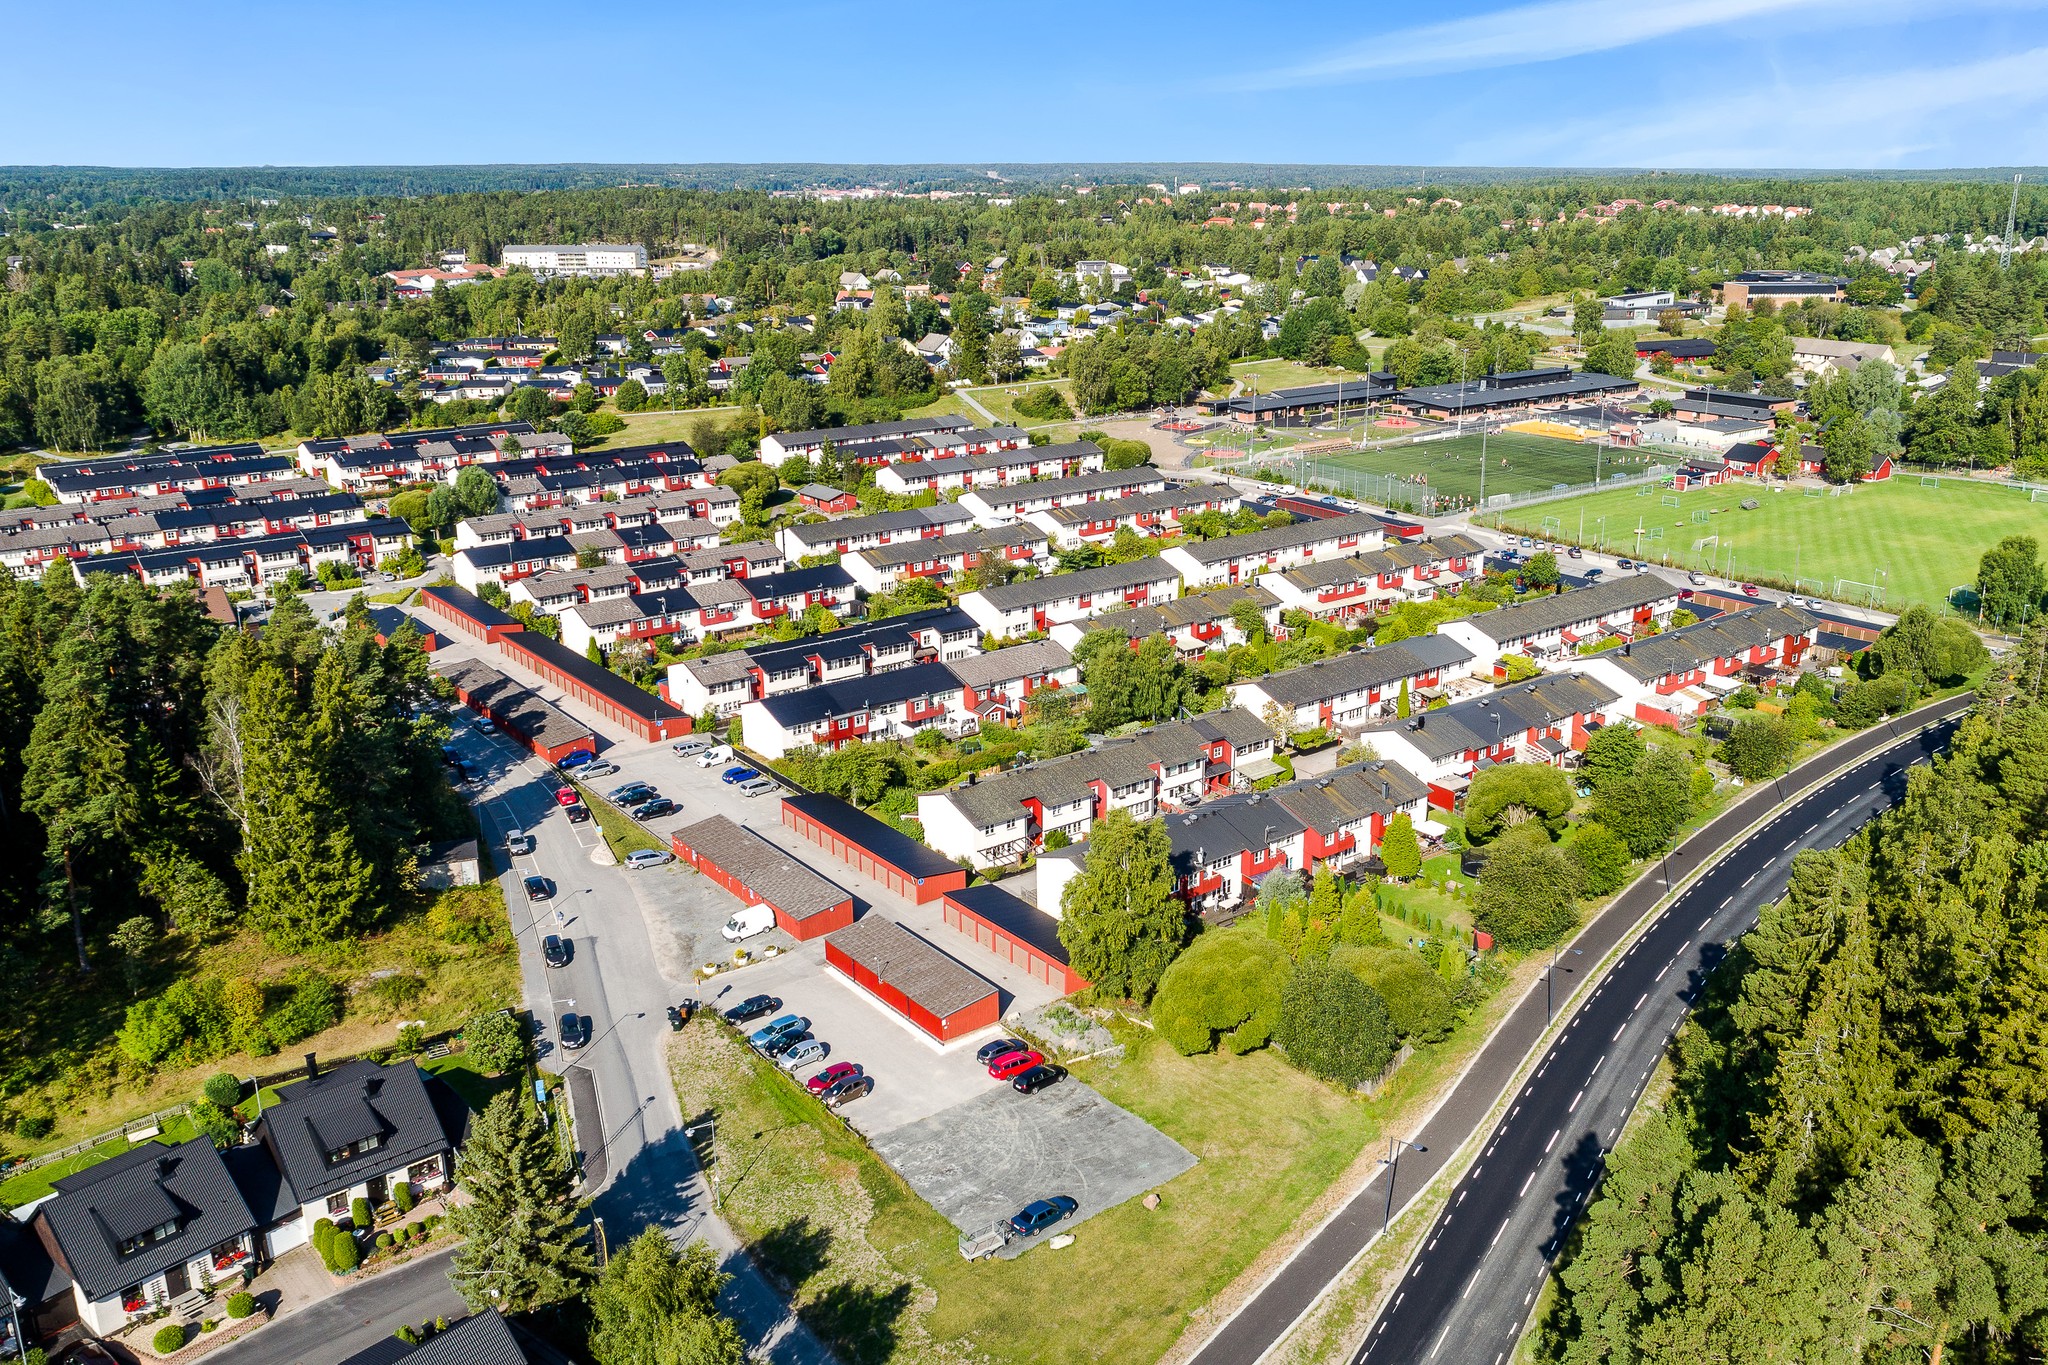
1392	1162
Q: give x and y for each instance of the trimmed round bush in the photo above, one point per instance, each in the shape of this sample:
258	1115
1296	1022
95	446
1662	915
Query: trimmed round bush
346	1256
323	1238
383	1241
169	1339
241	1305
403	1197
207	1324
223	1091
359	1214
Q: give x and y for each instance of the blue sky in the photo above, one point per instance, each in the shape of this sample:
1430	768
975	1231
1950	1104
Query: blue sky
1659	83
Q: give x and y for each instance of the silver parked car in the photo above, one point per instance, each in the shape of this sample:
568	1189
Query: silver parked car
802	1055
759	786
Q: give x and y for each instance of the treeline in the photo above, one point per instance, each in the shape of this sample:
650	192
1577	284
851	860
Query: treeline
1849	1165
161	780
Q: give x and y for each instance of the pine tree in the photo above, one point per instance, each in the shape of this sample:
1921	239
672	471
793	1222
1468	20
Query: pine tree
1878	1241
524	1249
1121	922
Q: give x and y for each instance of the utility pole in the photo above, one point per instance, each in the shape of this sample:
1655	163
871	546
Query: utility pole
2011	214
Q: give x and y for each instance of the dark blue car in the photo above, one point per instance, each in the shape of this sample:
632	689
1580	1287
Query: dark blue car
1041	1214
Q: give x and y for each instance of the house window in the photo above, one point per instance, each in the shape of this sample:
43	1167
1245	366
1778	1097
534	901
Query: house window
426	1172
337	1205
351	1151
155	1234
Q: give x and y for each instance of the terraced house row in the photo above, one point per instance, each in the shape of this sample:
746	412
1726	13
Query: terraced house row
32	538
722	683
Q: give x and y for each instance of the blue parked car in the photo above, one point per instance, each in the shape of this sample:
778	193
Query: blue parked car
1041	1214
778	1028
737	774
577	759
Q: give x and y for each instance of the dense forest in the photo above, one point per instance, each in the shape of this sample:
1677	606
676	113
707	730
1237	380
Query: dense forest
1849	1164
232	318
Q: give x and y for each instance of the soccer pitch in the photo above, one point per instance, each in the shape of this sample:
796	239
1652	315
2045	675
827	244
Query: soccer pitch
1917	542
1515	463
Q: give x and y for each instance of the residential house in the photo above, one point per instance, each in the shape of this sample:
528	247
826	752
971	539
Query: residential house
1825	355
1007	504
1355	689
1239	558
1146	514
722	683
1360	585
1551	628
946	558
1546	720
990	468
1038	604
847	534
1670	678
1195	623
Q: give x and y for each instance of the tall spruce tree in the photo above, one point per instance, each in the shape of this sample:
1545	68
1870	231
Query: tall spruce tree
524	1249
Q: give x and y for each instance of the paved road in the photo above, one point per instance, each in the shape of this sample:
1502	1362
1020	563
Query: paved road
1431	1300
357	1318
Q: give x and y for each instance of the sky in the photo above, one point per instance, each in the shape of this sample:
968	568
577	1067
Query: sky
1642	83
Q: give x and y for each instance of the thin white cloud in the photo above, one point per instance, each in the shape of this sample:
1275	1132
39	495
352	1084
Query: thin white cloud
1528	33
1871	120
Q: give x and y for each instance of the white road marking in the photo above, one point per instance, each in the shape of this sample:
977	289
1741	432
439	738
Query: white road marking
1553	1141
1617	1034
1439	1342
1525	1184
1598	1062
1575	1101
1703	925
1496	1236
1639	1001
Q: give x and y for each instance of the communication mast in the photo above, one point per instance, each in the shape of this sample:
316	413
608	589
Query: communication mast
2011	213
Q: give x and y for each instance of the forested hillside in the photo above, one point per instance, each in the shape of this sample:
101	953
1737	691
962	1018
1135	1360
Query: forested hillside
1849	1164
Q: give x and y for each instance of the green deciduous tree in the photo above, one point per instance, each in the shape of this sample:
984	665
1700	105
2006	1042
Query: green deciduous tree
1757	747
523	1248
657	1304
1505	796
1224	990
1121	923
1334	1026
2010	581
1528	891
1400	851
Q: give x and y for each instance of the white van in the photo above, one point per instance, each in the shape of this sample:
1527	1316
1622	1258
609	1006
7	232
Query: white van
755	919
717	753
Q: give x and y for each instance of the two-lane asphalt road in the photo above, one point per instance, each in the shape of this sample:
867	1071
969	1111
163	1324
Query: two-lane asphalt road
1469	1289
1462	1256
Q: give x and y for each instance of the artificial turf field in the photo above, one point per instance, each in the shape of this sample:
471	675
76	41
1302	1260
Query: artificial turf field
1918	542
1515	463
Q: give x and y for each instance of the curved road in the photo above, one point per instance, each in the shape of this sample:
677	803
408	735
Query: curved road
1505	1218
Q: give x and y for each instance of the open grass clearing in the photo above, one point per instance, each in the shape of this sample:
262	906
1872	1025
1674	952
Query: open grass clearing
65	1061
1916	542
1269	375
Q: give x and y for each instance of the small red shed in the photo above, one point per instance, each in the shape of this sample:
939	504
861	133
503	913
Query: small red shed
913	978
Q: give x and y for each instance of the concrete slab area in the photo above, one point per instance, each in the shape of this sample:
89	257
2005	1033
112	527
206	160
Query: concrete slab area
989	1157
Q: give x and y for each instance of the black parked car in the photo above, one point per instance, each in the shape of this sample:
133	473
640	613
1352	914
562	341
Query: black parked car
1037	1079
847	1088
539	889
574	1031
753	1007
555	950
650	810
784	1043
578	815
988	1052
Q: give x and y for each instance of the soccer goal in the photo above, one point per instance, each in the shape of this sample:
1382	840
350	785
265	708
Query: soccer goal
1817	586
1854	590
1654	533
1815	493
1704	549
2037	495
1668	501
1700	515
1551	526
1930	480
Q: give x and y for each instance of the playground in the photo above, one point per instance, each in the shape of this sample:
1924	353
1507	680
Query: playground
1891	544
1516	462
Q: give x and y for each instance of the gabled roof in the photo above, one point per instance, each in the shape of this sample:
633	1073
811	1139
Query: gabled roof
481	1339
1725	636
132	1194
1471	724
1363	669
1558	610
974	542
351	1102
1281	538
1197	608
1108	578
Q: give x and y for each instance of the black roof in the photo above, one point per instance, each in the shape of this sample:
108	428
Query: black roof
1018	918
355	1100
596	677
470	605
482	1339
131	1194
1677	346
26	1266
885	843
261	1183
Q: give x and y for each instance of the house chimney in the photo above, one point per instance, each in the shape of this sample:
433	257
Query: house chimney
312	1066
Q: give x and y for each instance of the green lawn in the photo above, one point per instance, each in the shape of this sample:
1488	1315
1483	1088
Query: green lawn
878	1273
653	428
1917	542
1269	375
620	831
1515	463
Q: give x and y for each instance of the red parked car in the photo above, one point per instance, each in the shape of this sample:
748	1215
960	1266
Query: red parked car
1749	589
1012	1063
831	1076
565	796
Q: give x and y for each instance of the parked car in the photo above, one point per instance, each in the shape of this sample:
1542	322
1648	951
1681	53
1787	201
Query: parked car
787	1025
1624	563
1041	1214
555	950
653	809
1014	1063
565	796
775	1049
592	771
689	748
1526	542
518	841
759	786
753	1007
1697	579
577	759
1749	590
1805	603
648	857
715	755
737	774
578	814
831	1076
539	889
624	791
482	725
988	1052
574	1031
755	919
1037	1079
846	1088
1575	553
805	1052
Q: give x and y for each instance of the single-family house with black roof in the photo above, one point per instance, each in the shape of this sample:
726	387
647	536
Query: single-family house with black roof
139	1230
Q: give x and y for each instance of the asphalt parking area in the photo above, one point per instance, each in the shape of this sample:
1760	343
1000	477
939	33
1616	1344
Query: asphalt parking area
989	1157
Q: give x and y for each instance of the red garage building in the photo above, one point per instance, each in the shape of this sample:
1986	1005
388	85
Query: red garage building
518	711
469	614
861	841
1014	930
650	717
913	978
805	904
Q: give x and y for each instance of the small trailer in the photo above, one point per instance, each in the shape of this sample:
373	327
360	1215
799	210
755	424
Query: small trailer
975	1246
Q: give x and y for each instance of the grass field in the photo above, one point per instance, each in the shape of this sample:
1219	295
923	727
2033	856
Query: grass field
1515	463
1269	375
1918	542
